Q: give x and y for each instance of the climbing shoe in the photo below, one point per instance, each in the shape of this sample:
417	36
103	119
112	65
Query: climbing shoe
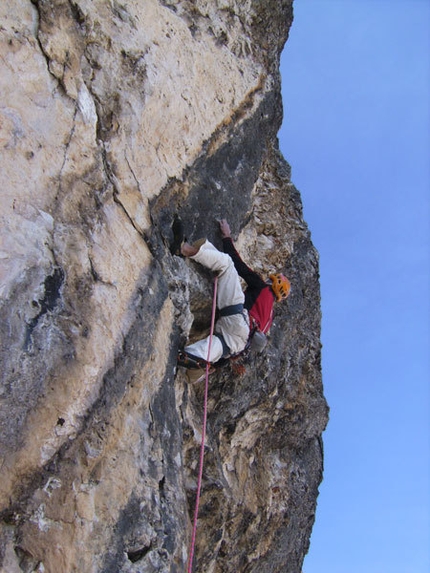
189	361
178	237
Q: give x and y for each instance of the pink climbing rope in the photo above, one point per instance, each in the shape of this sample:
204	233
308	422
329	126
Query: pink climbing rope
202	446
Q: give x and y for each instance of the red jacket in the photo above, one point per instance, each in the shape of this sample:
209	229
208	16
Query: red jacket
259	297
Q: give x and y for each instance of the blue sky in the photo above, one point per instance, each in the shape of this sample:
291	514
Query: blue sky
356	131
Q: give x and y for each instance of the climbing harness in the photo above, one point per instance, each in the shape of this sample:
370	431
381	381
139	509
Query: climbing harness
202	445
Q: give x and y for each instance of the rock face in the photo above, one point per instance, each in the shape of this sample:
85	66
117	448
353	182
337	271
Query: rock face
114	117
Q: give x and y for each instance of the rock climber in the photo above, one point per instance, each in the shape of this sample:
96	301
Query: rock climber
244	317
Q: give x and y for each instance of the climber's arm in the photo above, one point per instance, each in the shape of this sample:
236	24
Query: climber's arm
252	278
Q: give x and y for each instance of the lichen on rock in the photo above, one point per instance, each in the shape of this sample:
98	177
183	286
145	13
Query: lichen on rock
114	118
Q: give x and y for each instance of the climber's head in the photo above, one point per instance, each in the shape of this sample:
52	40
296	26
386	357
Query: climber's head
280	286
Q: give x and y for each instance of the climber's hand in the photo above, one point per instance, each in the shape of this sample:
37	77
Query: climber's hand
224	228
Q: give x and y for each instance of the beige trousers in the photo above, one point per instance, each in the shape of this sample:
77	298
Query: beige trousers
234	328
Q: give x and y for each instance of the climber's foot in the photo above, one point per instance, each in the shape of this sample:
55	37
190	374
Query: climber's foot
178	237
191	362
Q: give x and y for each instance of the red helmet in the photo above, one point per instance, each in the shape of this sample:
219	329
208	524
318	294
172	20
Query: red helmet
280	286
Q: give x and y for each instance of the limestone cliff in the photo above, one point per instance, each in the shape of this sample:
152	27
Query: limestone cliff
114	116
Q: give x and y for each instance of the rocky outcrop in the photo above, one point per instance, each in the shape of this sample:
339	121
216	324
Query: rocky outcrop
114	117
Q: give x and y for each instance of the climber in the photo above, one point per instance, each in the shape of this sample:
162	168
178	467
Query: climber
244	317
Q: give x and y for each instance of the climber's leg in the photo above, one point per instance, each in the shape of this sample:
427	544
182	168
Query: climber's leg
233	329
199	349
229	287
